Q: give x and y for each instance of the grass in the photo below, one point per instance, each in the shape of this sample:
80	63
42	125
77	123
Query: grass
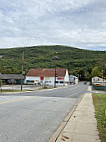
7	90
100	108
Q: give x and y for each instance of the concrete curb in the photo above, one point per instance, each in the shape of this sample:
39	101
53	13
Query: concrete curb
14	92
64	123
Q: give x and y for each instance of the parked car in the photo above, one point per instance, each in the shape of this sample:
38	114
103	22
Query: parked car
85	82
29	82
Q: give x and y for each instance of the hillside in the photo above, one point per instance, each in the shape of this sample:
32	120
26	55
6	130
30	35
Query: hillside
43	57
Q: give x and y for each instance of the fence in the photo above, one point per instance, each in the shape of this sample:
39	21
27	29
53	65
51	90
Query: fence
103	88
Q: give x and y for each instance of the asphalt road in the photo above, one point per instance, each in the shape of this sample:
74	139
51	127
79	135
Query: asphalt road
34	117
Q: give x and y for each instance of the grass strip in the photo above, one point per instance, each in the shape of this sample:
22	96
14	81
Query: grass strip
7	90
99	101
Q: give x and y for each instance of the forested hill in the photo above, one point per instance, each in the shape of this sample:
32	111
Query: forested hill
43	57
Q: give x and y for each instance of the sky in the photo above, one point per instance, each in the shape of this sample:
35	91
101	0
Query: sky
76	23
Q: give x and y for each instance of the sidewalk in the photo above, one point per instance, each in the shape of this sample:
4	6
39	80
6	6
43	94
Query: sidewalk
82	126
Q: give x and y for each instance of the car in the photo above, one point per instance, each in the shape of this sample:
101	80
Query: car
85	83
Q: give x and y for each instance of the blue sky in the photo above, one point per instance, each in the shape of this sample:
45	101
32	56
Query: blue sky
74	23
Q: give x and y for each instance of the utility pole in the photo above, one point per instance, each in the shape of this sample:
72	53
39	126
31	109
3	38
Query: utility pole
22	70
55	69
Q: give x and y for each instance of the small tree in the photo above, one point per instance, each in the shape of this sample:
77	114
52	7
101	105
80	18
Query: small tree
1	84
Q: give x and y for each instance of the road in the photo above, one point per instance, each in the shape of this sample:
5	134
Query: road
35	116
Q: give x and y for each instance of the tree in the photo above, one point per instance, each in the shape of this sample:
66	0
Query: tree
102	64
1	84
95	71
82	74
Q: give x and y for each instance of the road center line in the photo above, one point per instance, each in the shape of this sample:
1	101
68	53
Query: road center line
16	100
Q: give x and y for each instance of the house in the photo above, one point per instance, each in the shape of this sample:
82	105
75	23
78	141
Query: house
1	56
10	78
98	83
47	77
97	79
73	79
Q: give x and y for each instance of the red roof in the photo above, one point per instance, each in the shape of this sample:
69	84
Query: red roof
46	72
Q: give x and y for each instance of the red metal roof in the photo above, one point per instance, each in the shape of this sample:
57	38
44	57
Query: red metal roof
46	72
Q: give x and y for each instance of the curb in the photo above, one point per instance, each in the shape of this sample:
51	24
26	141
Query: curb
14	92
55	136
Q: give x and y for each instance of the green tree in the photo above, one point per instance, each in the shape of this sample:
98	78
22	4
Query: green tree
1	84
96	71
82	74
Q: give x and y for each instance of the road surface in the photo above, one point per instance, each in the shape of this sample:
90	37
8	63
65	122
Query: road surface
35	116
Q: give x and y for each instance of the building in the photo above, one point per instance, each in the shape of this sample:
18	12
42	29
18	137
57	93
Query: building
98	80
47	77
98	83
73	79
11	78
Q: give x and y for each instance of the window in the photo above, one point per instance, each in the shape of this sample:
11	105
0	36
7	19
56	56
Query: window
47	81
30	81
61	81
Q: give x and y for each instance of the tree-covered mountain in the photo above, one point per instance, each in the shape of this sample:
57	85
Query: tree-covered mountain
76	60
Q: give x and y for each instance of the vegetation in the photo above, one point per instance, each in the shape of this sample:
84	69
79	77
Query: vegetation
10	90
100	108
1	84
78	61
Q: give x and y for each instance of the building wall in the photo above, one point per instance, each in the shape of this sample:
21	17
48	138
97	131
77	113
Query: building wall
76	80
49	81
32	78
66	79
73	79
97	79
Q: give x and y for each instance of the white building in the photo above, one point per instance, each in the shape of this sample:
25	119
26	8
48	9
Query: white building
73	79
98	80
47	77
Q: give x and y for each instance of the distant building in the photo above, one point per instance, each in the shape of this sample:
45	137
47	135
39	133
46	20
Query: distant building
98	80
98	83
47	77
1	56
73	79
11	78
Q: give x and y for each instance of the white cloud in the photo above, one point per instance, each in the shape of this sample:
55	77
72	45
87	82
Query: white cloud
75	23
